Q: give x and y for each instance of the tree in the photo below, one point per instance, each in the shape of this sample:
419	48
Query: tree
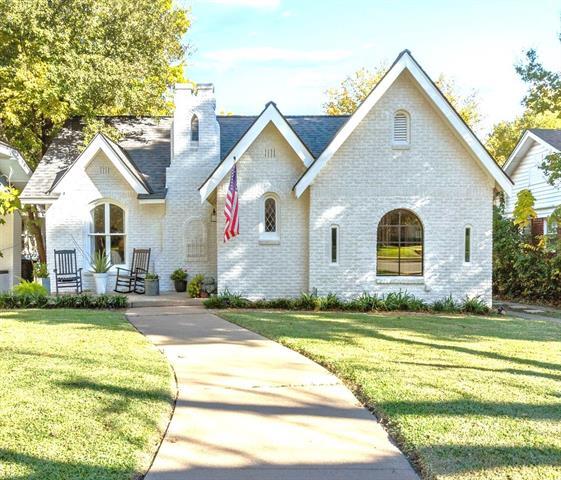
524	209
350	93
61	58
542	104
9	203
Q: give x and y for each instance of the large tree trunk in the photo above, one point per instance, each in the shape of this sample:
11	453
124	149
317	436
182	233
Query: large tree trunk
34	225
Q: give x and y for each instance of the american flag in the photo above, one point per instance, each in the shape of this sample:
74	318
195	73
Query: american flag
232	227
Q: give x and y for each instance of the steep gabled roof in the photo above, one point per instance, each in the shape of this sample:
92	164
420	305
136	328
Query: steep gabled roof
13	167
270	115
549	138
405	61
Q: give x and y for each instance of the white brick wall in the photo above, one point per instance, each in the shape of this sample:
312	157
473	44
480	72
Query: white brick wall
244	264
436	178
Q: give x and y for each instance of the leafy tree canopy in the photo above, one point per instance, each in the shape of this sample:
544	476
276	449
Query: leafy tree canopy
63	58
350	93
524	209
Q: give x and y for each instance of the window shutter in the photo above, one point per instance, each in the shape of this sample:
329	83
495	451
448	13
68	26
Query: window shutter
401	128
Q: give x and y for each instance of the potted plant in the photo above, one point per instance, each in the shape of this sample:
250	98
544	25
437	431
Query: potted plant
100	266
42	275
179	277
195	286
151	284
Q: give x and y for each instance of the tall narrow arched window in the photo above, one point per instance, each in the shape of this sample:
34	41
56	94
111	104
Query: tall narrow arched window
108	232
401	129
269	220
270	215
400	244
195	129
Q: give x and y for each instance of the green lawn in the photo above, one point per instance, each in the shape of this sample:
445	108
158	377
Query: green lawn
466	397
82	396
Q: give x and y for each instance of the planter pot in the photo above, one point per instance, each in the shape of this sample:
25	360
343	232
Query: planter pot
100	283
46	282
203	294
180	285
151	287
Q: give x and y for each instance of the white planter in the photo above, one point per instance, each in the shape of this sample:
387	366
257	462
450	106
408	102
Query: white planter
100	282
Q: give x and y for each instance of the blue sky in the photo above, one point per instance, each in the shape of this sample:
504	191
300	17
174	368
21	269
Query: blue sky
291	51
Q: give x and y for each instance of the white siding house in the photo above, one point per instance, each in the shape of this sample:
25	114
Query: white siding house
523	166
397	196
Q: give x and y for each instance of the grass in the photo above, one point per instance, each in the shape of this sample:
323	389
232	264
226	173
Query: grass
465	397
82	395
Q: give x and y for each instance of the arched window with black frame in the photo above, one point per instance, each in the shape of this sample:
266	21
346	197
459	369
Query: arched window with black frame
400	244
195	129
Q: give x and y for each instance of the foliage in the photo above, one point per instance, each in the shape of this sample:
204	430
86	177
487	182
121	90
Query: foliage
394	301
9	203
465	397
152	276
100	262
524	209
194	287
551	167
83	395
40	270
29	288
40	299
179	275
352	91
97	125
87	57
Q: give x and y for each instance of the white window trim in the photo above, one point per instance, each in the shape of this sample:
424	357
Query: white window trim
107	236
269	238
330	245
401	145
470	244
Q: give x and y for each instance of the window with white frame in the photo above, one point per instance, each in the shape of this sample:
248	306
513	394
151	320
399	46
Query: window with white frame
269	221
467	244
401	129
334	244
108	234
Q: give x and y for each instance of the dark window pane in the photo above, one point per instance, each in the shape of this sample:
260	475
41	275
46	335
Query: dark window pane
467	245
98	243
408	218
116	219
117	249
388	234
270	215
333	245
194	129
98	214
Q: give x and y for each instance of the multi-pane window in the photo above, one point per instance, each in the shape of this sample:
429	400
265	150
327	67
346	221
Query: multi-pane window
108	232
400	244
270	215
195	129
334	251
401	128
467	245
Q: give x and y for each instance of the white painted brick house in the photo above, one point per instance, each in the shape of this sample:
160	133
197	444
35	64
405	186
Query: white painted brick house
397	196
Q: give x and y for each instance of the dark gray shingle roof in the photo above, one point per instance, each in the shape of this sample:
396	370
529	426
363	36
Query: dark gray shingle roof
553	137
316	131
146	140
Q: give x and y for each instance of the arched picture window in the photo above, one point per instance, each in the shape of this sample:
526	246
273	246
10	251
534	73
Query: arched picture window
270	215
401	127
195	129
108	232
400	244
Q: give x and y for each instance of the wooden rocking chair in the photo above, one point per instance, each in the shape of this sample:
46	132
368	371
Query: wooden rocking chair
67	273
133	280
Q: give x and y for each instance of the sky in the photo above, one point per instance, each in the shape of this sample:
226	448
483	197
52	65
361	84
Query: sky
292	51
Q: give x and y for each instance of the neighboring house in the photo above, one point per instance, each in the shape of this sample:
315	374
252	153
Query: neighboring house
397	196
15	172
523	166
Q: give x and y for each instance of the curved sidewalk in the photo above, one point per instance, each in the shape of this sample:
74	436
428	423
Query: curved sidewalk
251	409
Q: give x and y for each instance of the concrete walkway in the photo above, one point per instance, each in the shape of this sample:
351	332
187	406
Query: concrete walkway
250	409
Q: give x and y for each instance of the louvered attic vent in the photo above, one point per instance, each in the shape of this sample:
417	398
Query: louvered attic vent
401	129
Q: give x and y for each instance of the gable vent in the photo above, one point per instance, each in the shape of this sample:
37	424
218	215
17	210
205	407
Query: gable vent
401	128
270	153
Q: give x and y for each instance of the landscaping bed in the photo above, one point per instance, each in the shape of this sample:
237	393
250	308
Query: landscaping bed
466	397
82	395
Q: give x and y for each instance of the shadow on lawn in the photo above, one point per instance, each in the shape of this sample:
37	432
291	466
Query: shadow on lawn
119	392
101	319
48	469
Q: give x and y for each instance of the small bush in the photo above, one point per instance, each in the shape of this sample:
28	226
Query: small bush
365	303
179	275
29	288
330	302
226	299
474	305
195	285
306	301
40	270
276	303
84	300
447	305
404	301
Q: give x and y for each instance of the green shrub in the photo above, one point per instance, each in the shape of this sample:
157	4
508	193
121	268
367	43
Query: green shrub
179	275
365	303
84	300
226	299
29	288
215	302
403	301
276	303
474	305
330	302
306	301
40	270
447	305
195	285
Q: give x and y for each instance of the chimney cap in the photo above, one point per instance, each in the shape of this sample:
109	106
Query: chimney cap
184	86
205	86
